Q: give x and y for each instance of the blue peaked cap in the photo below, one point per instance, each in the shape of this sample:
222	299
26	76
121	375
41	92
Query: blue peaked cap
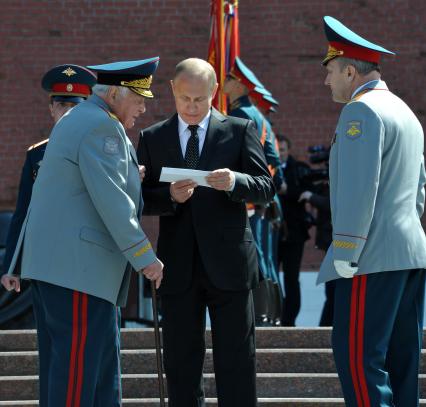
344	42
241	72
270	99
68	83
262	91
136	75
264	99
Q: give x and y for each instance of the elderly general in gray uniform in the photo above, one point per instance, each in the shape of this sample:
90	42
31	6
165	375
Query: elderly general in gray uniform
378	252
81	238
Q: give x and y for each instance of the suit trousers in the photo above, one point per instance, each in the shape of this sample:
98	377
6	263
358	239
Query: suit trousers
79	348
233	340
377	337
291	254
328	307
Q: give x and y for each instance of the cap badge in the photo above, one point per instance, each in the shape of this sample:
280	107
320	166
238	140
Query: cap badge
69	88
69	72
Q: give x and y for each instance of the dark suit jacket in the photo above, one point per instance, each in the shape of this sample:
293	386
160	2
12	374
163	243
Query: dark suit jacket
214	221
294	212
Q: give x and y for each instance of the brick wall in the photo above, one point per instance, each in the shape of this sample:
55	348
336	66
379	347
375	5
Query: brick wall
281	40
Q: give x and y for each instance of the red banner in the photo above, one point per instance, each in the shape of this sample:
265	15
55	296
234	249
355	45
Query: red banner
224	44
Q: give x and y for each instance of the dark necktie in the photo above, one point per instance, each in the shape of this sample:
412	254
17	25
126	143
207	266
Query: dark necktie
192	147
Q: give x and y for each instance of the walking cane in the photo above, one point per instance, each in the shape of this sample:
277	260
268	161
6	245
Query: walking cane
158	344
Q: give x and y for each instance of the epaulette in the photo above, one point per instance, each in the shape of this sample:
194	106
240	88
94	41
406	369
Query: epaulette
38	144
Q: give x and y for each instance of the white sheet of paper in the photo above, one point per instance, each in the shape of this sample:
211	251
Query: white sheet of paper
178	174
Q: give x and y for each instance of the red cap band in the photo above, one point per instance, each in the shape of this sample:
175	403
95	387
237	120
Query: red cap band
71	89
355	52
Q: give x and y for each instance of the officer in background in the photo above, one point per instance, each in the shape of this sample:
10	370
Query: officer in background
271	222
264	101
66	85
320	200
294	233
81	238
239	82
378	254
266	104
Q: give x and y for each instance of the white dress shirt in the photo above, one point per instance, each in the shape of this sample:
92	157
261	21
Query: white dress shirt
185	134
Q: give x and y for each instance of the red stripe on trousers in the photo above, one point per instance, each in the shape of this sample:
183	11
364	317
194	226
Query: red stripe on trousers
360	341
352	337
80	366
73	355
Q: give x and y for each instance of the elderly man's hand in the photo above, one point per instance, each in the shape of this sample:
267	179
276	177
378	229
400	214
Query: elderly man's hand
11	282
222	179
142	170
181	191
154	272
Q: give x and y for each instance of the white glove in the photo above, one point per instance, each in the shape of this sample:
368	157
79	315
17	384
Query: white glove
344	268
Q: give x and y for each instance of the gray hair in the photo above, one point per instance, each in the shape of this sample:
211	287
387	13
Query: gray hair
362	67
102	90
196	67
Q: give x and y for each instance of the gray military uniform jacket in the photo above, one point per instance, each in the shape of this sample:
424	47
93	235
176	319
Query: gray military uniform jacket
377	179
82	225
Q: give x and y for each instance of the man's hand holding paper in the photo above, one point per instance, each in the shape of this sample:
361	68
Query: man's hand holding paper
183	181
222	179
169	174
181	191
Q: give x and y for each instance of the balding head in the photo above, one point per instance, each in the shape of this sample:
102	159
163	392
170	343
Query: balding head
196	68
194	87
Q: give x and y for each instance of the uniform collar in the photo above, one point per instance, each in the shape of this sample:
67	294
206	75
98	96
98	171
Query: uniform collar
370	85
99	102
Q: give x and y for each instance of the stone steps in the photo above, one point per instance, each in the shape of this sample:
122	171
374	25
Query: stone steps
210	402
144	361
143	338
295	368
270	385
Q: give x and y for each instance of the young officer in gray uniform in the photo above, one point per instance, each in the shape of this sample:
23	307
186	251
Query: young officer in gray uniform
378	251
67	85
81	237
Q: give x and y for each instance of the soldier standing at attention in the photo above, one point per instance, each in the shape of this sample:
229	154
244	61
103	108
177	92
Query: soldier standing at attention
80	263
378	253
67	86
239	82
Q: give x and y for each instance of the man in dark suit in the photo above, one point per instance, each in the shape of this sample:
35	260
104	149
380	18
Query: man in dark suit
205	238
294	233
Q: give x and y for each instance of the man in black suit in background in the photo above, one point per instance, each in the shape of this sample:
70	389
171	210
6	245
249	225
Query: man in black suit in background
205	238
294	234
